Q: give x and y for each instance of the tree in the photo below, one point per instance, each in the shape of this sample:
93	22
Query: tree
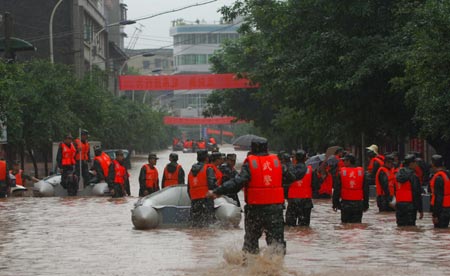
324	69
427	76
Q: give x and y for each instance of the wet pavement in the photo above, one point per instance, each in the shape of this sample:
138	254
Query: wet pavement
95	236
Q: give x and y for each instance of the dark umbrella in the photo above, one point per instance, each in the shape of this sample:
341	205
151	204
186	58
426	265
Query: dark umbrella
244	142
314	161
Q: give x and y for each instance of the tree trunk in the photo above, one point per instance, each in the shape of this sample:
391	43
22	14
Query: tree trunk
30	152
442	148
45	162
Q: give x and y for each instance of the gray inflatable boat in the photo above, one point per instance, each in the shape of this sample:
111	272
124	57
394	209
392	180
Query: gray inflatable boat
171	207
51	186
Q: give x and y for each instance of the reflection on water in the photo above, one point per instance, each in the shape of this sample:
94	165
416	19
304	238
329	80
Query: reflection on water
95	236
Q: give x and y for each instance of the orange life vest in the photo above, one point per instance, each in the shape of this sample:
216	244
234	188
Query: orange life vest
378	159
201	145
446	199
2	171
84	153
219	175
151	177
391	181
171	179
212	140
352	180
265	183
120	173
419	173
198	184
67	154
403	192
105	162
302	188
327	185
18	176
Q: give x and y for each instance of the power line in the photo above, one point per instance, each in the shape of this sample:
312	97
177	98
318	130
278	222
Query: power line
175	10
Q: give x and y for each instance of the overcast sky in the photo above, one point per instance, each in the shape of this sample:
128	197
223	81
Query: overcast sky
155	31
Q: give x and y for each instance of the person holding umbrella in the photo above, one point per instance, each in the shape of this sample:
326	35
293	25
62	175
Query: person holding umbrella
300	203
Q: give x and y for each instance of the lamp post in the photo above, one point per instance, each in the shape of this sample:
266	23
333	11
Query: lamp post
132	57
50	31
125	63
96	36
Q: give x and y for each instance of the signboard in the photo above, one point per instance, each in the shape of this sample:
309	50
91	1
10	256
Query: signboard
183	82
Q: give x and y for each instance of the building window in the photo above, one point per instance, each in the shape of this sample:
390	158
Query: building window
158	63
146	64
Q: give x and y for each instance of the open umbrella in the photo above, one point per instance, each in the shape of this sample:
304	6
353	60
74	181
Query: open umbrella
331	151
244	142
314	161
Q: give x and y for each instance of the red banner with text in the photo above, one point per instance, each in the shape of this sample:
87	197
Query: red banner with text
183	82
217	132
169	120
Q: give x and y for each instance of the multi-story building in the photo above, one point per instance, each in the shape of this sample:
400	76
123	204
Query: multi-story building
81	36
194	44
150	61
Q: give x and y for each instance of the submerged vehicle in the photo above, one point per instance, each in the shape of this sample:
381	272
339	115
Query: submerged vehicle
171	207
51	186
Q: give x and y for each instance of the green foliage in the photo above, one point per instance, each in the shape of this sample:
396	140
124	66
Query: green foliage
42	102
324	68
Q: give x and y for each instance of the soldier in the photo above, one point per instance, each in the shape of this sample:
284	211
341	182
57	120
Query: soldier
201	179
261	176
229	172
65	159
440	189
173	172
408	193
148	176
300	193
351	193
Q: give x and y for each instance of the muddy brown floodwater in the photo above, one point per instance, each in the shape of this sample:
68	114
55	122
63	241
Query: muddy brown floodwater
95	236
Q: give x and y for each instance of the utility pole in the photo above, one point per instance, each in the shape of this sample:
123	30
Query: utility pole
9	55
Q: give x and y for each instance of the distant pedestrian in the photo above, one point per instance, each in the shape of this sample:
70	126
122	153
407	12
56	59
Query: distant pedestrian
408	193
148	177
440	192
351	193
173	172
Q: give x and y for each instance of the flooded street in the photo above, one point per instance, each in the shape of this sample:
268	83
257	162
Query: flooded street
95	236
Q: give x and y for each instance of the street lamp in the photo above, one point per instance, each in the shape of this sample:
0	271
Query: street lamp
51	30
132	57
96	36
126	61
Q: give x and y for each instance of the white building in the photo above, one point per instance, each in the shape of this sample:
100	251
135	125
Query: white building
194	44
